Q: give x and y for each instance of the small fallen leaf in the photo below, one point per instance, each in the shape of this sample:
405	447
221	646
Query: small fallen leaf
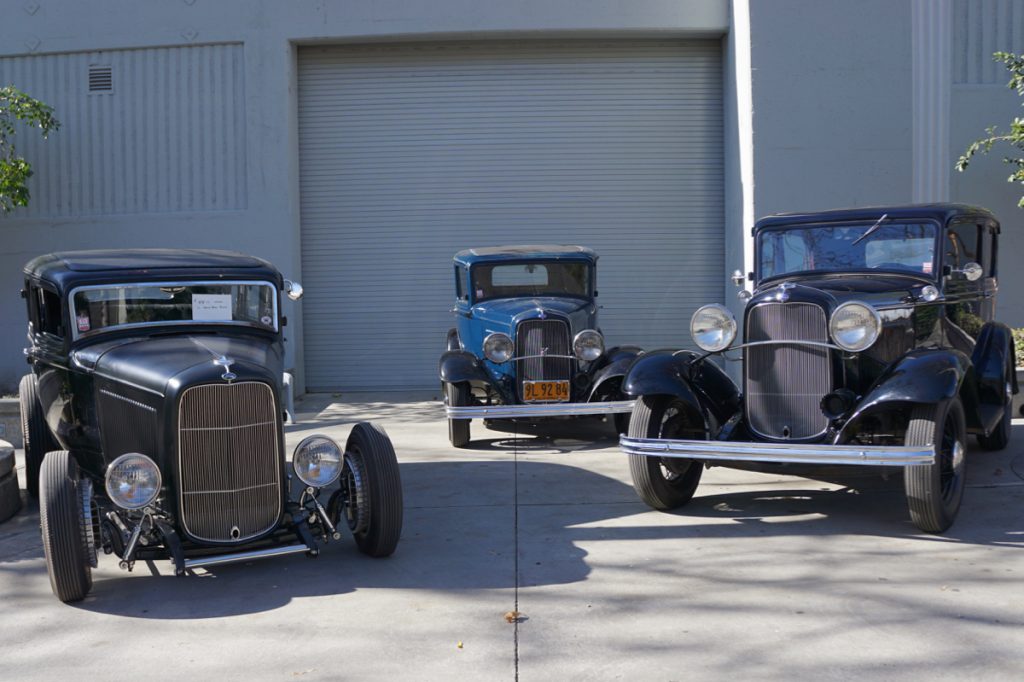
459	645
512	616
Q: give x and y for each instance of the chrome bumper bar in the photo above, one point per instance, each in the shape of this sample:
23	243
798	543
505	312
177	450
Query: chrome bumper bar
244	556
538	410
790	453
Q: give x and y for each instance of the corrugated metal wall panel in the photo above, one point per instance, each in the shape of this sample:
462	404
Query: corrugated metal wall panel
980	28
169	136
410	153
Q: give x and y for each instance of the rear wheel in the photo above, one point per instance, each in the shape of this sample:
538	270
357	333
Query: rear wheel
10	493
934	491
663	483
458	395
65	527
373	507
34	430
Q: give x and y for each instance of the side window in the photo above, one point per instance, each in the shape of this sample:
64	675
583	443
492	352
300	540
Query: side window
961	245
461	283
988	252
47	305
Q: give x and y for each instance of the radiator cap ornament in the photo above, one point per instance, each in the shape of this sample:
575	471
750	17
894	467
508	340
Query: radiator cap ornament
783	294
226	362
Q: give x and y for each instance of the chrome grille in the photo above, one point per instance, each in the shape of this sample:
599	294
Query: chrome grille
228	461
536	339
785	383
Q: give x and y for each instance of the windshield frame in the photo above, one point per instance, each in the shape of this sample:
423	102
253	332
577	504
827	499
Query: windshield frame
77	335
588	264
866	224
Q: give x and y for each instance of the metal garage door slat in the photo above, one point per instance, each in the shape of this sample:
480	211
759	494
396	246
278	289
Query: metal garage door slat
409	153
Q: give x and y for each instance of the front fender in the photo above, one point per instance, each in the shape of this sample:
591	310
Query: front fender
460	365
701	384
619	360
921	377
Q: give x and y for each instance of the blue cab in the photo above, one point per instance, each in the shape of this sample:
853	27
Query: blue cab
526	342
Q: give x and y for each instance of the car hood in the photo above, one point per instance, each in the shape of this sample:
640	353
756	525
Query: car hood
832	290
504	313
151	363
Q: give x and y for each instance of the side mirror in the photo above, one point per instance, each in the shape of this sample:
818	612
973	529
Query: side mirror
738	278
293	289
971	271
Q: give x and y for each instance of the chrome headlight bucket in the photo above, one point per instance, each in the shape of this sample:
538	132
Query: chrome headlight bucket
498	347
588	345
317	461
713	327
133	481
855	326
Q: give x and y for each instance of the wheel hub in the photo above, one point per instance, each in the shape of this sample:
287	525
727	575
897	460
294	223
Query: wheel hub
353	481
87	520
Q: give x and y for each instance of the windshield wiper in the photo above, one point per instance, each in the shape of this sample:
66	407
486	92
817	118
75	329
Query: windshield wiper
871	230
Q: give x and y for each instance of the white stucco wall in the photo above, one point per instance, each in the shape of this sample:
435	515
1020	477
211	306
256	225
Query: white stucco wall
269	30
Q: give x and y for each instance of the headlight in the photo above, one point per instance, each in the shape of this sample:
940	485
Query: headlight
854	326
317	461
498	347
133	481
588	345
713	327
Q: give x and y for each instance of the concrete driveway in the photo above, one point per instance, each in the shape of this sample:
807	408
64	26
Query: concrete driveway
761	577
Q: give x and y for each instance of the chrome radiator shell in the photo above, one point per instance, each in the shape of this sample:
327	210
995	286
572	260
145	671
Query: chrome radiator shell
545	350
229	462
783	383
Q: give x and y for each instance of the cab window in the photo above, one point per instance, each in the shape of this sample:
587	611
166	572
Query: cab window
47	312
961	245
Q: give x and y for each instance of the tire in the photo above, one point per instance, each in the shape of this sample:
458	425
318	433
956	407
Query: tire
1000	436
60	520
934	491
34	430
10	493
662	483
458	395
374	507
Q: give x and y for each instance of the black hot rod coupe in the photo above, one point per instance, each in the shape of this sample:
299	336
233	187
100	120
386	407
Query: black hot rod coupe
869	339
153	420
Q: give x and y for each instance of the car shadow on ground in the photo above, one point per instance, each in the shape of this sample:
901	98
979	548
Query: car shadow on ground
462	526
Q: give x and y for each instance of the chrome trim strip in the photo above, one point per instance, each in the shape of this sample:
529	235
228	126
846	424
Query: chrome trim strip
791	453
135	403
244	556
538	410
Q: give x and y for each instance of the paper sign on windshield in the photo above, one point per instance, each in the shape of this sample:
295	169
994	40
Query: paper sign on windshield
211	306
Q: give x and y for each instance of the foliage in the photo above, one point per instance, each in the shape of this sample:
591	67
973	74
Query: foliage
15	170
1018	343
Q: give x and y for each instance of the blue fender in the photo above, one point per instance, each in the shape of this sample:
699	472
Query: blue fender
460	365
618	360
702	385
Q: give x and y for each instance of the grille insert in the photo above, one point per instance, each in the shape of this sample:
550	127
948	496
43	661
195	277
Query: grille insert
543	338
228	461
785	383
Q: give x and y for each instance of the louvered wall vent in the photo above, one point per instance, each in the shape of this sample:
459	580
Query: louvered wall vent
101	79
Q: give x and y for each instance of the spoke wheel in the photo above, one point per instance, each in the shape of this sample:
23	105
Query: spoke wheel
934	491
663	483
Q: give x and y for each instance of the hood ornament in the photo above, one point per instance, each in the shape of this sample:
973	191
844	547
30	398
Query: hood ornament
226	362
783	294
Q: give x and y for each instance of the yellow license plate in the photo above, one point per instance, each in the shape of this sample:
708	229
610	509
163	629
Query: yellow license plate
545	391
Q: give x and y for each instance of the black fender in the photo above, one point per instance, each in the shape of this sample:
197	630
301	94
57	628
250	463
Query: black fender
698	382
921	377
618	360
459	365
994	363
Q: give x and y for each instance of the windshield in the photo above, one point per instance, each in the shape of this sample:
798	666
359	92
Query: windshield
96	308
892	246
511	280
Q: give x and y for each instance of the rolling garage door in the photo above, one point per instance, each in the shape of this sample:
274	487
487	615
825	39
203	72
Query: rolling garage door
409	153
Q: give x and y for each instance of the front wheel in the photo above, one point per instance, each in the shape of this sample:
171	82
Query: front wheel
934	491
458	395
373	490
663	483
65	527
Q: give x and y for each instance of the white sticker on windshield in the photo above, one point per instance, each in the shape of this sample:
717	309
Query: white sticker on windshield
211	306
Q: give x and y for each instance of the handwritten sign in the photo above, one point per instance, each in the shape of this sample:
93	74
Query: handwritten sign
211	307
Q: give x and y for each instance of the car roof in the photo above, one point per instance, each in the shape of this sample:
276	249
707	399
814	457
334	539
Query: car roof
941	212
525	252
68	269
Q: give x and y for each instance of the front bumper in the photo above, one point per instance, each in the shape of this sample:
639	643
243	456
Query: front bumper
538	410
790	453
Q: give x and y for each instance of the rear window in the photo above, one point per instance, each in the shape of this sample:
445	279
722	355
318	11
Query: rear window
513	280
